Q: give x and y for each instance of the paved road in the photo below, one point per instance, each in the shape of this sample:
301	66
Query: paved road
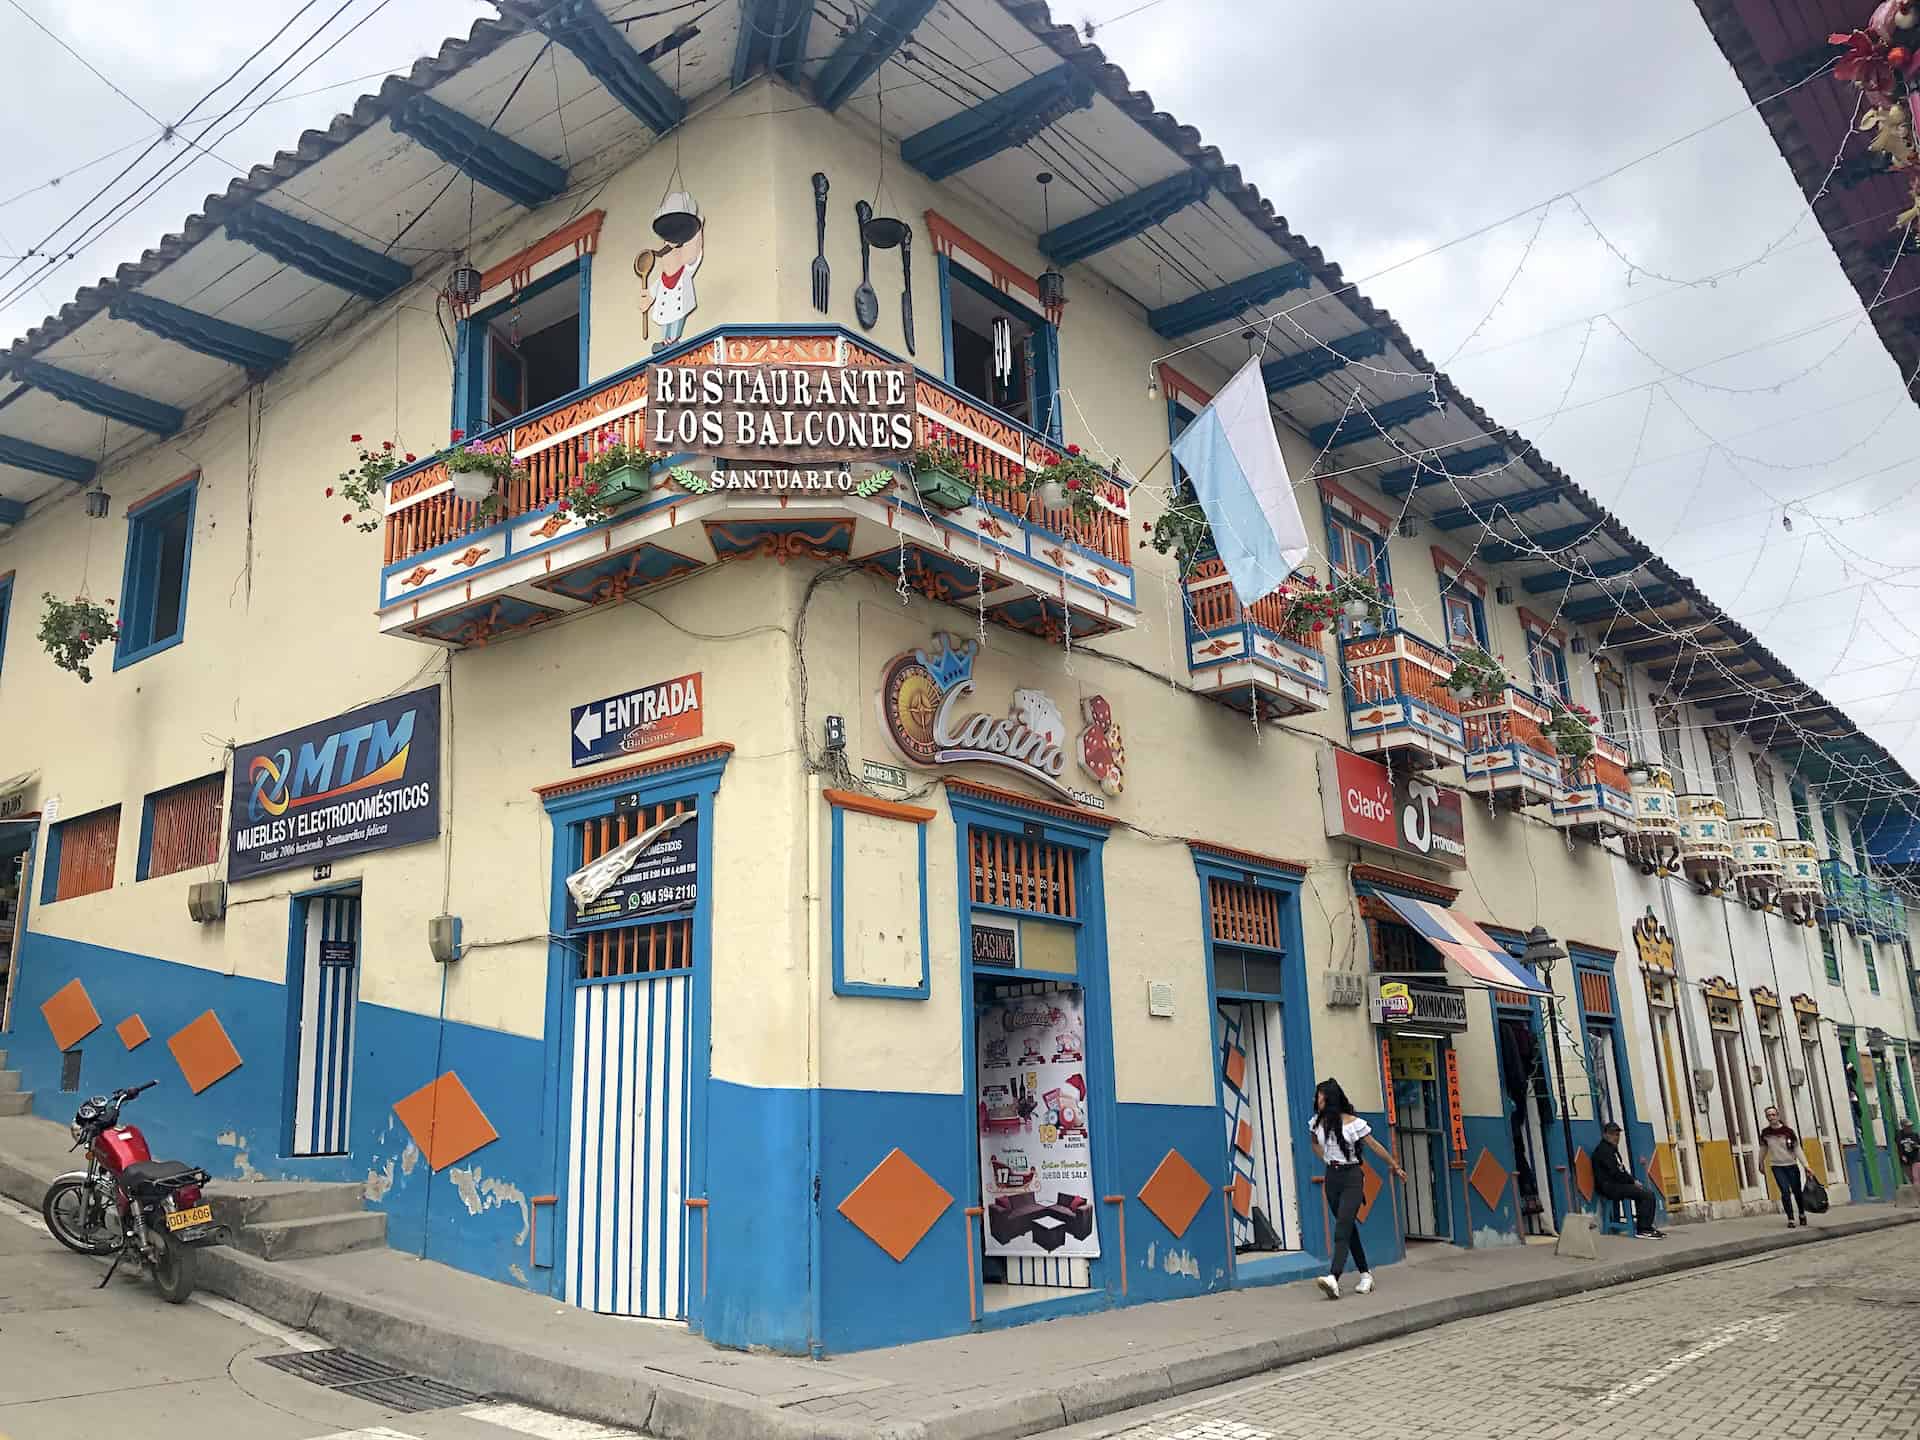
77	1363
1812	1343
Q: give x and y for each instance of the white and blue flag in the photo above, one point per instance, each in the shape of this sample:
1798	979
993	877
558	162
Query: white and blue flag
1232	456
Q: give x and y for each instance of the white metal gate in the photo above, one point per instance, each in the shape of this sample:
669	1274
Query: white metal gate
1253	1099
329	991
626	1176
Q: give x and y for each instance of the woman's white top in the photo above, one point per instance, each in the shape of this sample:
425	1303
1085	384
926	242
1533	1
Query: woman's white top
1345	1149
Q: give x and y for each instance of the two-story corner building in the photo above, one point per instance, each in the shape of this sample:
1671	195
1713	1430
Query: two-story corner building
800	873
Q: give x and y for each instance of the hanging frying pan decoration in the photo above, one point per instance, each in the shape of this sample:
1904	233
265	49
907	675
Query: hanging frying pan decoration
678	218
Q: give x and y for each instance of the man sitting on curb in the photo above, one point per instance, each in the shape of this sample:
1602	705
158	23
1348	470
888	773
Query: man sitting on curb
1615	1181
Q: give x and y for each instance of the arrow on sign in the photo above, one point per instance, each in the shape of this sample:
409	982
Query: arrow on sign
588	730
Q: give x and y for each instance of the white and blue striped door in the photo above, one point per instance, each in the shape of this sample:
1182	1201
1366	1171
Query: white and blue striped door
626	1238
1253	1097
329	990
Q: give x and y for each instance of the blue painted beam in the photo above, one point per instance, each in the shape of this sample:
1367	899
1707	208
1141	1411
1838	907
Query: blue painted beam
773	37
12	512
248	349
1000	122
883	30
102	399
1215	307
1602	606
320	253
1322	360
1126	217
1486	512
25	455
1557	580
596	44
1441	469
471	148
1358	424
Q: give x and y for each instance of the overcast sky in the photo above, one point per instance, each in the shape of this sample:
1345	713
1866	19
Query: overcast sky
1380	131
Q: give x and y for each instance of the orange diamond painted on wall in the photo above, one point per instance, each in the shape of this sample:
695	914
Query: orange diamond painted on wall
1583	1173
444	1121
1175	1192
1242	1197
1488	1179
1243	1138
1370	1186
203	1052
896	1204
1236	1068
70	1015
132	1032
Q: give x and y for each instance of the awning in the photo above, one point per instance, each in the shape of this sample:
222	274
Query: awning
1464	943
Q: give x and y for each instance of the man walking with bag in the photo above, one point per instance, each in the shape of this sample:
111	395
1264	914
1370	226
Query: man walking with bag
1783	1156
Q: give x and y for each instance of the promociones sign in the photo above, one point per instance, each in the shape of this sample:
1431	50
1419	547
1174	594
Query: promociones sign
365	780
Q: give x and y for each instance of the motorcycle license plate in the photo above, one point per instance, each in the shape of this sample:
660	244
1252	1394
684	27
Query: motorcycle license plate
181	1219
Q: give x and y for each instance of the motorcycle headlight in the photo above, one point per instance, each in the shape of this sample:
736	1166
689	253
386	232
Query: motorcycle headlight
77	1133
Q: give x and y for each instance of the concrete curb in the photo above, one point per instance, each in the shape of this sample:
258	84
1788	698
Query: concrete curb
677	1409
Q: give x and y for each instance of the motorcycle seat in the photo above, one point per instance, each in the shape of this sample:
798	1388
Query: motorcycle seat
158	1174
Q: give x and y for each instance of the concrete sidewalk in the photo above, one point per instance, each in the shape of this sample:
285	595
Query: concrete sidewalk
1003	1383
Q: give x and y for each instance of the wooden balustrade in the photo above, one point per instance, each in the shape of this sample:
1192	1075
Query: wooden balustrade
1214	606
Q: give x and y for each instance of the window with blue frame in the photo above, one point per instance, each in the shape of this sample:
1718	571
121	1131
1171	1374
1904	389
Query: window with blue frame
1463	610
1352	549
1802	810
999	351
153	588
524	351
6	614
1873	970
1548	664
1829	953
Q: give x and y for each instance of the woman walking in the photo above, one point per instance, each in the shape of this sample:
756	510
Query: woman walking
1338	1135
1783	1157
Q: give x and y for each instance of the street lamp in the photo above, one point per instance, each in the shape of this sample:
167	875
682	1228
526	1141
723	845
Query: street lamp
1542	953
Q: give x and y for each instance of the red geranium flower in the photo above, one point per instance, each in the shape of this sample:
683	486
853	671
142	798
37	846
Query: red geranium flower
1073	449
409	457
386	444
457	435
329	490
1073	484
354	438
346	519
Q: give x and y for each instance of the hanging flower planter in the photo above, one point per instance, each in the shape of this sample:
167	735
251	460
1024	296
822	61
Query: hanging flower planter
621	471
1477	676
72	629
1071	482
1182	531
1361	601
476	468
943	476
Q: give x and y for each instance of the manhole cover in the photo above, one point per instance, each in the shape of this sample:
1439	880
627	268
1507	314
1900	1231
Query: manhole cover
369	1380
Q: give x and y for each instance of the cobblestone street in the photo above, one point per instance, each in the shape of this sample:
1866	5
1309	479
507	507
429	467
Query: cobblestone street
1815	1343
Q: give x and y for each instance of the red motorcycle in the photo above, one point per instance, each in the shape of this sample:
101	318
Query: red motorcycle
126	1203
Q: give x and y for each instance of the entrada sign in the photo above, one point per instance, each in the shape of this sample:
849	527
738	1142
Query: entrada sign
920	695
791	413
664	713
1361	800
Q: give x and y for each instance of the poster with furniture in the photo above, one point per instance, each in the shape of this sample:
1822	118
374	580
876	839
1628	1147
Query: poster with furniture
1036	1163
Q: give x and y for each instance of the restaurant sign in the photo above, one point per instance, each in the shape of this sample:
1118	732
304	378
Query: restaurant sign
365	780
920	705
1362	800
787	414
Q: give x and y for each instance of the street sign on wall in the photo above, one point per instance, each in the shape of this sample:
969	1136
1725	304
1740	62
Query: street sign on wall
663	713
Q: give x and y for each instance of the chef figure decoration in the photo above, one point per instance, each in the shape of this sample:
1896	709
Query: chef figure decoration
1101	754
667	273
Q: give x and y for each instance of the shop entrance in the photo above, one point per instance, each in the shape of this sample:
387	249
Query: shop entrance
1529	1109
633	955
325	990
1034	1080
1418	1138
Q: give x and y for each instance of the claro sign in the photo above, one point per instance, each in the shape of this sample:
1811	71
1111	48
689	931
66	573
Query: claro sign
1404	813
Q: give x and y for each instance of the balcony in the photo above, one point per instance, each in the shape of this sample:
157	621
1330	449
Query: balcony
1706	844
1886	911
1596	799
451	578
1801	898
1846	895
1508	753
1397	699
1759	869
1248	656
1654	841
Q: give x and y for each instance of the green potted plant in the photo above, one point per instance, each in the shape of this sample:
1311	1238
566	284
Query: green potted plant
620	471
1068	481
1571	730
72	629
1477	676
364	483
1306	608
943	476
477	466
1362	599
1182	531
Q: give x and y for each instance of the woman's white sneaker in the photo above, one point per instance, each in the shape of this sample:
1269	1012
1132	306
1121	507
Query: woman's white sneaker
1330	1286
1365	1287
